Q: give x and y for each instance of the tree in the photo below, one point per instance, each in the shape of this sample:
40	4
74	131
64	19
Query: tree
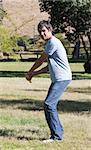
9	39
73	17
8	42
70	16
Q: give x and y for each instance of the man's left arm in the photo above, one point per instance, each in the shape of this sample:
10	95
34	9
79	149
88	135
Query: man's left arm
43	70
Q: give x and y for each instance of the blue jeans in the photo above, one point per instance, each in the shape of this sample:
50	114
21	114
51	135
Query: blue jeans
50	108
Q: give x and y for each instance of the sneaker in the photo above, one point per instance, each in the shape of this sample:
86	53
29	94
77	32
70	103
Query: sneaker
48	141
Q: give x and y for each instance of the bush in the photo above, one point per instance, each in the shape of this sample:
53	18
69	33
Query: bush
8	42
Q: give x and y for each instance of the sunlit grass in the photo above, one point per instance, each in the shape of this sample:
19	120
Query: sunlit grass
25	66
19	69
22	121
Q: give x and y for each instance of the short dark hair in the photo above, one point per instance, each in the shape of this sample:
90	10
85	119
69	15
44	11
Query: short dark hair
46	24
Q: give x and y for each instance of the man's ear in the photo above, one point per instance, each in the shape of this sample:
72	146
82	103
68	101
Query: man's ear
49	30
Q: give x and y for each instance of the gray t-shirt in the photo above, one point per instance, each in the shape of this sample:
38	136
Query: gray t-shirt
58	63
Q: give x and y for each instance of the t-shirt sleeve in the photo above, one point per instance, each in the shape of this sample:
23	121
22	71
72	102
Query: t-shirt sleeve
50	48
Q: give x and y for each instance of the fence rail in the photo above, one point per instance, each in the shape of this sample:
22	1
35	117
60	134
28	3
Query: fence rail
32	52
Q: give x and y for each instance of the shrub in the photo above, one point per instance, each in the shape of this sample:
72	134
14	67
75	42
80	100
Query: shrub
8	42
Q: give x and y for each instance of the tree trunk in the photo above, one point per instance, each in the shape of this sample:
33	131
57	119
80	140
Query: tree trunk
84	45
87	65
76	49
89	38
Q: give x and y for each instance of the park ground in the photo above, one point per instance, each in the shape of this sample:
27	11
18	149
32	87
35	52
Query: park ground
22	120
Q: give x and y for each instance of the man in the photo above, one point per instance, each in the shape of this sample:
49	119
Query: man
60	74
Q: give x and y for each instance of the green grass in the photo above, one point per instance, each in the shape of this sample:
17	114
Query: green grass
22	120
18	69
25	66
15	66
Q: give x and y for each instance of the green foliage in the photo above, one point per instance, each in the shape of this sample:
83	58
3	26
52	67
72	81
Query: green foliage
72	17
30	43
23	42
65	42
63	39
8	42
69	16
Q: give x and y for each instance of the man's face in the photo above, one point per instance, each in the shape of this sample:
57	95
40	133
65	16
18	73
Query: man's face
45	33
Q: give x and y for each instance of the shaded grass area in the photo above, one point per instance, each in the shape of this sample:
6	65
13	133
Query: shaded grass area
16	124
75	75
37	105
12	73
23	133
18	69
86	90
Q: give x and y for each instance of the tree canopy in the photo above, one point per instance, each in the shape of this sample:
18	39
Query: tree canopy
73	17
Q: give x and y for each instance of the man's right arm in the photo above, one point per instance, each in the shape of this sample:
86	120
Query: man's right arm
37	64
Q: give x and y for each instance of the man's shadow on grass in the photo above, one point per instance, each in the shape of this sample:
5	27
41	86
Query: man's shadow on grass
37	105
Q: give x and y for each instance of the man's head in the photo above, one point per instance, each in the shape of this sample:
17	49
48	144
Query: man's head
45	29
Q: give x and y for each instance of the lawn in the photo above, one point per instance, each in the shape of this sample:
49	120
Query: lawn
22	120
18	69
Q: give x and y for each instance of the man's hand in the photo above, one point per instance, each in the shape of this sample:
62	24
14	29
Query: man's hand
29	76
37	64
